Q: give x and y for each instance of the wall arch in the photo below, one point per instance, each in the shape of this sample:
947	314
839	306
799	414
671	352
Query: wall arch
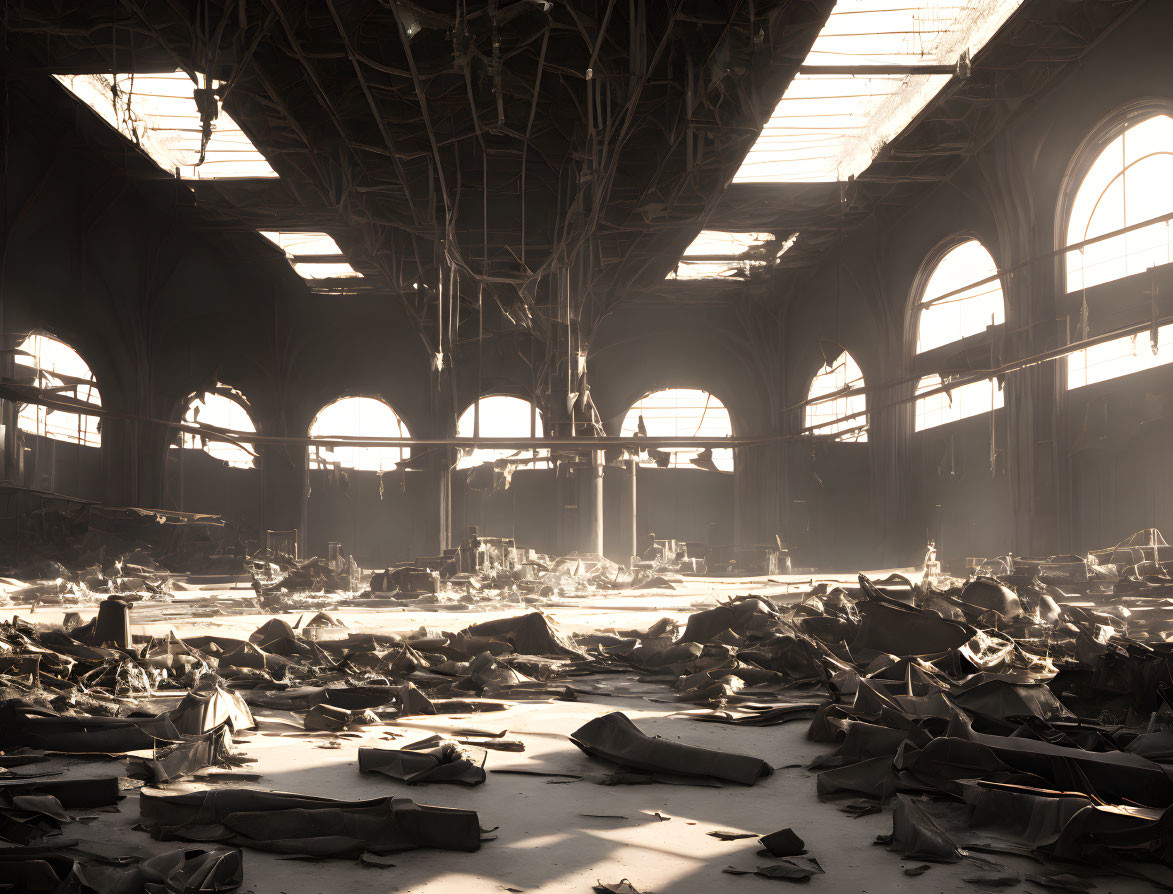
57	367
357	416
954	263
1100	263
501	416
829	412
221	407
681	412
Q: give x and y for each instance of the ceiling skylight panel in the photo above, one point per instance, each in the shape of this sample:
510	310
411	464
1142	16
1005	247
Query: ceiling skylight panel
720	254
158	113
831	124
299	243
313	255
731	269
725	244
320	270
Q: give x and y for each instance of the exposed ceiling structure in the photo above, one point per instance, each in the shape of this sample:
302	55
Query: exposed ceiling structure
875	65
941	125
511	165
525	166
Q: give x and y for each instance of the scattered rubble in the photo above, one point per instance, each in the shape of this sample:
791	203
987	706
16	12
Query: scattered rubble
1023	710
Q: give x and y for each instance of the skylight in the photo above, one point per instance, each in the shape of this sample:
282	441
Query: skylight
830	126
300	247
719	254
158	113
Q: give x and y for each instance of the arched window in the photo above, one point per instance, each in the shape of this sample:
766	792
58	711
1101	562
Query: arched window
501	416
959	403
831	409
681	413
944	317
1120	357
1130	181
222	408
58	369
358	417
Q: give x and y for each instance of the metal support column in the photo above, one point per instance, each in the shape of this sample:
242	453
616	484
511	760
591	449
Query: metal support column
446	463
634	512
596	530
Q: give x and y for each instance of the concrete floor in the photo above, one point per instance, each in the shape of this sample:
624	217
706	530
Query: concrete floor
544	842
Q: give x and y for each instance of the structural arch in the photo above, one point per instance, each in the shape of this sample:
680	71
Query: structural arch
958	294
225	408
681	413
358	417
836	403
59	370
501	416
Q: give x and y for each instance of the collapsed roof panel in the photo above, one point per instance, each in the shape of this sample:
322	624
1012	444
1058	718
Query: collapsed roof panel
159	114
846	101
717	254
313	255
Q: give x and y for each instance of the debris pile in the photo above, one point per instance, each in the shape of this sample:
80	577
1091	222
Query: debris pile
1021	711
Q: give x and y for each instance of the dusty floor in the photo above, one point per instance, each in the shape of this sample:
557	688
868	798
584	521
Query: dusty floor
546	840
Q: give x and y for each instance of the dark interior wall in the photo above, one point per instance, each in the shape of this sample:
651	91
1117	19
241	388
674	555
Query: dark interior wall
163	300
684	504
649	345
115	260
1011	195
197	482
379	529
526	511
1121	432
830	522
962	490
58	466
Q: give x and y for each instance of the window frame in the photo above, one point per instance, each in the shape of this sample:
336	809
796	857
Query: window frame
538	458
648	462
218	390
319	465
926	362
1089	150
861	437
80	441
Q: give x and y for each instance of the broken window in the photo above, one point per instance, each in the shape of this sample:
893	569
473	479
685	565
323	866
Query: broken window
833	410
959	403
158	113
830	126
358	417
681	413
223	408
1119	357
58	370
1130	181
312	255
718	254
942	320
501	416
